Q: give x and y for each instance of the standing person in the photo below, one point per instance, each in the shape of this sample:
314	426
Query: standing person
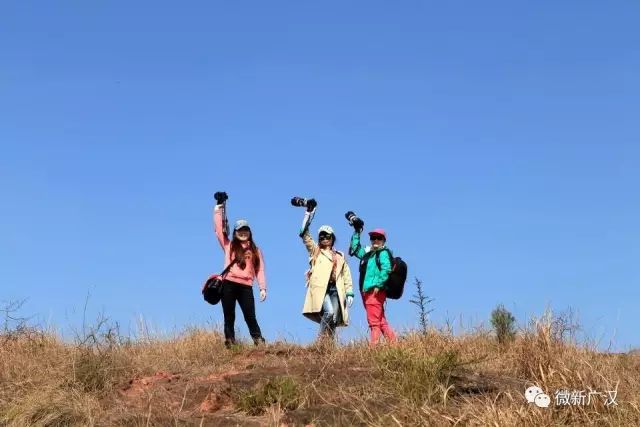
329	285
248	265
373	275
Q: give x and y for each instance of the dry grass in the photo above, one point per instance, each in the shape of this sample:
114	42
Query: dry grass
428	378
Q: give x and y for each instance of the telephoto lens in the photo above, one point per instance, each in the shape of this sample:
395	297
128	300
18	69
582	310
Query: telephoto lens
299	202
354	221
350	216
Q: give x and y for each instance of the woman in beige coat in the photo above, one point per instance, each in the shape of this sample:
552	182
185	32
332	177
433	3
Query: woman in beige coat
329	285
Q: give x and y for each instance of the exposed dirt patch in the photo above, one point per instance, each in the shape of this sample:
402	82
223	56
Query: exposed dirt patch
212	399
177	394
138	386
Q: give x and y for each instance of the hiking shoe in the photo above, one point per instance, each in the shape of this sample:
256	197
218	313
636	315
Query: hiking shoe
229	343
258	341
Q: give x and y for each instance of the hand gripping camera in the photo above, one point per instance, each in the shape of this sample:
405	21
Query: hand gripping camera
300	202
354	221
220	197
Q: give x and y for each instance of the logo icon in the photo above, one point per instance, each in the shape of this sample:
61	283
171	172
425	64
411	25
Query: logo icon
534	394
542	400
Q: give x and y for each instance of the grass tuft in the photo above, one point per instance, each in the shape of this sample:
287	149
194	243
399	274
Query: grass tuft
283	392
414	376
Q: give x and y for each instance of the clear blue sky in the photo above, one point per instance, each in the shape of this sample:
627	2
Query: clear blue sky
497	142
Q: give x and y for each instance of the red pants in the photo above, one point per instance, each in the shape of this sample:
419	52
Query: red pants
374	305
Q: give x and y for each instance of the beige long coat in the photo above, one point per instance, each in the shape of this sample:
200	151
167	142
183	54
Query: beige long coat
321	263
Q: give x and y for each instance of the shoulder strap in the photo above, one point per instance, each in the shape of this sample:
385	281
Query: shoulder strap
334	263
226	270
318	251
378	257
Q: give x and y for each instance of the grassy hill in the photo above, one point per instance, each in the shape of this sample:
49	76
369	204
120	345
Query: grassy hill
428	378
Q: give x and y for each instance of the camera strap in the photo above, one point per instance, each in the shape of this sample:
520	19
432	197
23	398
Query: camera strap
225	221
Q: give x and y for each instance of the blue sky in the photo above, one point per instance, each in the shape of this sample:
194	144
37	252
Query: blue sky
497	142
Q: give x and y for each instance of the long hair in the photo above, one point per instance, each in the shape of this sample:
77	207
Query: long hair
238	251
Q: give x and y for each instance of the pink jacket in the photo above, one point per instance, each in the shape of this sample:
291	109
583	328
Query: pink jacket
236	274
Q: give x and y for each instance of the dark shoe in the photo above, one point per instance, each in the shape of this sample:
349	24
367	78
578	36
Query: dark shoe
229	342
258	341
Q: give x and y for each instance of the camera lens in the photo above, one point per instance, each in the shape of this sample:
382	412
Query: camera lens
298	201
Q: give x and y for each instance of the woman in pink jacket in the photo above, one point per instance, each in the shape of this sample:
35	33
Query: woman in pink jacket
238	283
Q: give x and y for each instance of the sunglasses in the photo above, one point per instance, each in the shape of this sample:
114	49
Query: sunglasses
372	238
325	236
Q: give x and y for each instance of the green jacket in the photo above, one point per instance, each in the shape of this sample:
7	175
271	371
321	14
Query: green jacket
374	277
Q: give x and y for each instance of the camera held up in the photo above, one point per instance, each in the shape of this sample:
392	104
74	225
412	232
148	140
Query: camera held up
220	197
300	202
354	221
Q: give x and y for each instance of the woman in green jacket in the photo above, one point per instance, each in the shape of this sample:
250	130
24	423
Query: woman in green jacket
372	284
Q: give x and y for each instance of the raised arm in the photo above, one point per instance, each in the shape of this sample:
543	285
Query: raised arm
217	226
356	248
308	241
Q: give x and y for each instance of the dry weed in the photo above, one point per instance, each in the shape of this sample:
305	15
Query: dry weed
430	377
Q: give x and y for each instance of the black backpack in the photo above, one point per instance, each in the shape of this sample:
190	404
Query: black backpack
398	276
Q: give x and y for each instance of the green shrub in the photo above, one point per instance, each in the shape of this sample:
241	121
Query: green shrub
284	391
504	324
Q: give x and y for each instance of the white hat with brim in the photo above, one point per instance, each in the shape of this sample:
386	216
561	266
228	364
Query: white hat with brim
241	223
325	229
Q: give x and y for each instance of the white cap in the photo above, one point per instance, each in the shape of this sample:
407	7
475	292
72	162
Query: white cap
241	223
325	228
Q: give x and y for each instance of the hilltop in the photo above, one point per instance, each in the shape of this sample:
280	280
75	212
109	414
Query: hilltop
428	378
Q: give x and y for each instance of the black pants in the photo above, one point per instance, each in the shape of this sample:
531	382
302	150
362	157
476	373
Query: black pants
232	292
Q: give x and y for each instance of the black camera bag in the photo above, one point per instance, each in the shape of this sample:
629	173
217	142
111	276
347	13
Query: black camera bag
212	289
